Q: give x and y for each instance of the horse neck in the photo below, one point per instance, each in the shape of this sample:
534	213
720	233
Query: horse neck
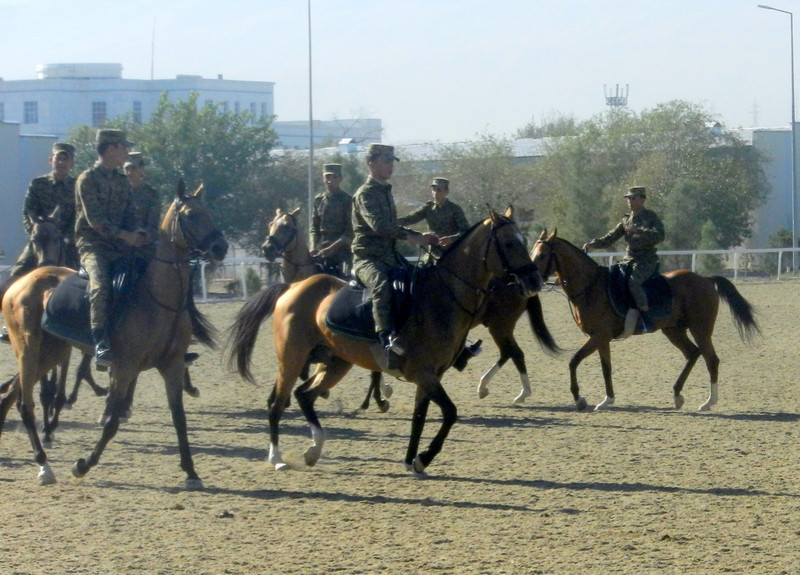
296	261
467	276
167	275
575	270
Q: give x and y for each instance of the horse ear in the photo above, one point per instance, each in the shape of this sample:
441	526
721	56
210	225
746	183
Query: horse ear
494	216
509	213
199	191
181	189
296	211
543	235
553	235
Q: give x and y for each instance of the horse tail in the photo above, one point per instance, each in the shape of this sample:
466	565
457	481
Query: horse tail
742	311
539	327
243	333
202	329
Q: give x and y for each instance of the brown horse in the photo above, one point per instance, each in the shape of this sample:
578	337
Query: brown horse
439	321
154	332
297	264
694	309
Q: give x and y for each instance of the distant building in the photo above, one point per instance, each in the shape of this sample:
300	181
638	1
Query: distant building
67	95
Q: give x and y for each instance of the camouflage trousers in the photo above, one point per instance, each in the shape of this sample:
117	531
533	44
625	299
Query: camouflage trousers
641	270
99	265
375	275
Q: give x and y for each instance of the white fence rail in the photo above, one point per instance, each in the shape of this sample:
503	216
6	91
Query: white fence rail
234	270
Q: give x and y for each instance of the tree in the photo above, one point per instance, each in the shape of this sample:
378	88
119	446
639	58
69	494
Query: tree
555	125
693	175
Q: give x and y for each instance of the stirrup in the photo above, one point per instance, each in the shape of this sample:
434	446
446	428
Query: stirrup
102	356
4	335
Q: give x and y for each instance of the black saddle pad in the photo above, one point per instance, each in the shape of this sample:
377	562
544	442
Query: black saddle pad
659	294
67	312
350	312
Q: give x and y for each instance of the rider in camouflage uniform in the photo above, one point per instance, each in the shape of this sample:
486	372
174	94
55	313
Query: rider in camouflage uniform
376	232
642	230
445	218
145	210
331	223
44	195
102	204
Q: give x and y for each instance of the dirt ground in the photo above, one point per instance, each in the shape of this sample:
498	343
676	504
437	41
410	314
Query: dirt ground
539	488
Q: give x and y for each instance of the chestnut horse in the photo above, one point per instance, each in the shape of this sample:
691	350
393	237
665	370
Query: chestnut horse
155	331
694	310
452	292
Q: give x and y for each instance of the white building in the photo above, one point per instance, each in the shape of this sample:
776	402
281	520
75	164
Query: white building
67	95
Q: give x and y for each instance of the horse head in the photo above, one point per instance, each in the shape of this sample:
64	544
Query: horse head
282	233
46	238
511	259
198	233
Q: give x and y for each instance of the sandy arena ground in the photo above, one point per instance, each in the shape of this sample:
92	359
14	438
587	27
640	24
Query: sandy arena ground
539	488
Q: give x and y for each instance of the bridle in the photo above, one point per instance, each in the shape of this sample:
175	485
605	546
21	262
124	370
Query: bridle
198	247
282	244
38	243
552	267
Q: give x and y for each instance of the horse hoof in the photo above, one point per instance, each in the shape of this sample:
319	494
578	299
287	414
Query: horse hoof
46	475
282	466
581	403
520	399
80	468
679	401
387	391
383	406
705	407
193	392
605	403
194	484
312	455
103	419
325	394
482	392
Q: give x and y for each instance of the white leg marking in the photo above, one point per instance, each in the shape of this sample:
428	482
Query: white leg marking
605	403
314	452
46	475
525	393
712	398
483	386
386	389
276	459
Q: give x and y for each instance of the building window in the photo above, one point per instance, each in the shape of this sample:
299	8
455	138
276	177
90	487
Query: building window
98	114
137	112
263	109
31	113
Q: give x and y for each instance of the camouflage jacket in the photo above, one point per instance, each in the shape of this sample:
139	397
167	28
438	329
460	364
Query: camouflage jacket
445	220
144	212
648	231
375	226
44	195
331	219
102	206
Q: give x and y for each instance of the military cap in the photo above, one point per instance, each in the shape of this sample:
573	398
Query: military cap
106	136
377	150
636	192
59	147
442	183
135	159
335	169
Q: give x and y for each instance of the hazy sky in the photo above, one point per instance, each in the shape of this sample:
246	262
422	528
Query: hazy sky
433	70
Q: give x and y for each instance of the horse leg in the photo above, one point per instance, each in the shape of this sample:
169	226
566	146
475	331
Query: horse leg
26	410
586	350
115	406
325	378
84	373
417	462
374	391
510	348
190	390
47	395
678	338
53	411
712	364
8	397
173	379
604	350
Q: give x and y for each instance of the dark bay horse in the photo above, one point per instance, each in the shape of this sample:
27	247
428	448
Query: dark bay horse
297	264
694	310
154	332
434	333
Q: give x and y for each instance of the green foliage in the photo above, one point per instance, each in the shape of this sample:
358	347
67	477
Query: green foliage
252	280
553	126
692	176
709	264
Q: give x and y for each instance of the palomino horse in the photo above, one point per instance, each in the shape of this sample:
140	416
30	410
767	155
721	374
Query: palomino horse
297	264
438	324
154	332
694	309
48	247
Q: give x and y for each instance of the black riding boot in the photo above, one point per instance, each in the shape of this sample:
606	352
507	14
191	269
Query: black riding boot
640	297
392	357
102	349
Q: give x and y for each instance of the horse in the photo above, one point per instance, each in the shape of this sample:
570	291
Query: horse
297	264
47	246
694	310
155	330
500	312
439	321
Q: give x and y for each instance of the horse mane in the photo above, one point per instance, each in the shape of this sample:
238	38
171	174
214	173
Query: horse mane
577	250
202	329
462	236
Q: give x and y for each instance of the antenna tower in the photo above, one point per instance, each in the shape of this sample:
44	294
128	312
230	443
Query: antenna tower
618	98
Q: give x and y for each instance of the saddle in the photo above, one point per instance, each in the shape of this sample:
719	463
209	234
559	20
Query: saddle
659	294
350	312
66	314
